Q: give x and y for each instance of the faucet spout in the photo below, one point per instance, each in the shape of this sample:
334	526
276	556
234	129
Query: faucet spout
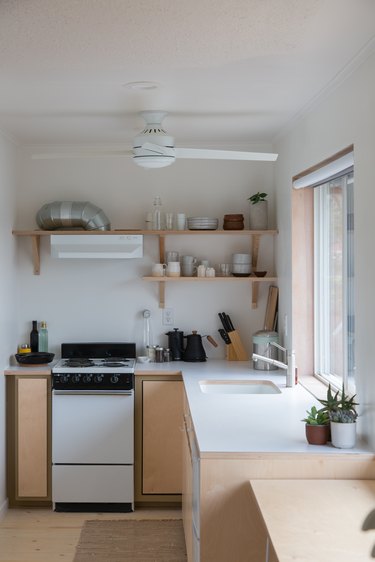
289	366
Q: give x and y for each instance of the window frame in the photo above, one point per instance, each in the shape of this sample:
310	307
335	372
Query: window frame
302	233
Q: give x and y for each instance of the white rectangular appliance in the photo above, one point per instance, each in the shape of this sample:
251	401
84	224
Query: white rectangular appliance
123	246
93	429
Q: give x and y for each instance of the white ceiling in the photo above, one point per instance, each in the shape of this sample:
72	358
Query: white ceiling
229	72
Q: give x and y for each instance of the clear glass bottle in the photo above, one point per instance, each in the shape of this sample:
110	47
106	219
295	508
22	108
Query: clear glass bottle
34	338
43	337
157	214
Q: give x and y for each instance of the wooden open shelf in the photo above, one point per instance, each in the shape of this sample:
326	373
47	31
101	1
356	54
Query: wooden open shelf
35	236
253	280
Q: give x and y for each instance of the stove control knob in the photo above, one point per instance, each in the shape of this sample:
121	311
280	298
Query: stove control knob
87	378
98	378
64	379
76	378
114	379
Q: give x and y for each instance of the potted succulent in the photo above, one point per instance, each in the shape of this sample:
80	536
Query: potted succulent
258	213
317	426
341	409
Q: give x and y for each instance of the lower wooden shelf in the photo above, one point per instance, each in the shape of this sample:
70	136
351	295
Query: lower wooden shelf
254	281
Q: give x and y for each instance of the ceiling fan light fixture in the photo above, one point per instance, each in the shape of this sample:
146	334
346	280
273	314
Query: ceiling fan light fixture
153	161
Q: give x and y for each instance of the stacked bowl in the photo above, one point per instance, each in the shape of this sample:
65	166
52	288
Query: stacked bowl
202	223
241	265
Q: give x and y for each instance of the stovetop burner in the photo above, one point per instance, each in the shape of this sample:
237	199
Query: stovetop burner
95	366
105	362
83	362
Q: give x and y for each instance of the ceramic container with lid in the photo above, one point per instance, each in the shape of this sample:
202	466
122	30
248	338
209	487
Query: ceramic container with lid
233	222
261	346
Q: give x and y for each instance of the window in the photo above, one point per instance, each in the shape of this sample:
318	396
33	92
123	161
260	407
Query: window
334	354
323	312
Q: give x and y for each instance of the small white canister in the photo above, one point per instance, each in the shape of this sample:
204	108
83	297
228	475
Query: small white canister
261	346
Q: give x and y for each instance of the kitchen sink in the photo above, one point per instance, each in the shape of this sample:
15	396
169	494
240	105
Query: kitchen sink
238	387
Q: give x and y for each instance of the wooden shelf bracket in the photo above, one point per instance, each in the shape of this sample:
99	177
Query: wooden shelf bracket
35	247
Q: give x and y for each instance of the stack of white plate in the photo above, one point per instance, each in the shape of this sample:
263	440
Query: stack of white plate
241	265
202	223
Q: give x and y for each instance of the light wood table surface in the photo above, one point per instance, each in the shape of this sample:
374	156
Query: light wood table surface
317	520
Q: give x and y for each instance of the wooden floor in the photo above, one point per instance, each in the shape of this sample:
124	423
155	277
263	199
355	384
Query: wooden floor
41	535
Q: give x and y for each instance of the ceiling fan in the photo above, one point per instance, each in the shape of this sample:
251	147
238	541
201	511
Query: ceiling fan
154	148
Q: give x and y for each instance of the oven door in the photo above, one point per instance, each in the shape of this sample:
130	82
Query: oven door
92	427
92	450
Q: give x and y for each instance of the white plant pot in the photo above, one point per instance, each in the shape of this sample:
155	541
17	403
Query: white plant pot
258	216
343	435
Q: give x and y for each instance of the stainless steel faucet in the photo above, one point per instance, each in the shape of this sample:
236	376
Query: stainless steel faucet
289	365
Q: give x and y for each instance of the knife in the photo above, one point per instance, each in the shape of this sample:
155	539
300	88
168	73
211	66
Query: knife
224	335
223	320
230	323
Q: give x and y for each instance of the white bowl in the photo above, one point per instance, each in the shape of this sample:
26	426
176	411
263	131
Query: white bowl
143	359
241	258
241	268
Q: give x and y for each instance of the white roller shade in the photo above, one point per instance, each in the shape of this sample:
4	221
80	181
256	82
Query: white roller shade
326	173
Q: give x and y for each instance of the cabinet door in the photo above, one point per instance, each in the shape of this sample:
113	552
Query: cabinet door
32	438
162	437
28	435
187	494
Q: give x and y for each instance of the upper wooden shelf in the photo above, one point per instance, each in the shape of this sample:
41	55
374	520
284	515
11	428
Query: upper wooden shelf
37	232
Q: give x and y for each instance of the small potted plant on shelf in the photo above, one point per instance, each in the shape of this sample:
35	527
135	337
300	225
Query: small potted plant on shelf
317	426
258	213
341	409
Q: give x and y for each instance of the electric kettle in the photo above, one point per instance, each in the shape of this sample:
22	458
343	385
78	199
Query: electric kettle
194	350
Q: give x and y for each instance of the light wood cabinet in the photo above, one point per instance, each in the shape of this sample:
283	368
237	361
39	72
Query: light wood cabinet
187	482
158	438
271	553
28	440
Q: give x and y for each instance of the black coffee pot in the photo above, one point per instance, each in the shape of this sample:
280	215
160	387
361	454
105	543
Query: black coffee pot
176	344
194	350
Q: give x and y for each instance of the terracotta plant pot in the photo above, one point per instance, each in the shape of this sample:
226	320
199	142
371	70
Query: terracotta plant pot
317	434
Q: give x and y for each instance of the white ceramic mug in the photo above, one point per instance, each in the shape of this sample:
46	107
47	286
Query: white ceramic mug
188	269
188	260
173	269
158	269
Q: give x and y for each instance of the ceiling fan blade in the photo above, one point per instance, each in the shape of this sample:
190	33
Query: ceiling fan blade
224	154
82	154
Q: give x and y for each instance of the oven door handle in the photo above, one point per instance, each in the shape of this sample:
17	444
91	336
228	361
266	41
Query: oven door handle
93	392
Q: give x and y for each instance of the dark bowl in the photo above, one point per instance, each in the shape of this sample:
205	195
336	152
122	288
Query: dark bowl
260	273
34	358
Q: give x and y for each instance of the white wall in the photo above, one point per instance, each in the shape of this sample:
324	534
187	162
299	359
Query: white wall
95	300
8	319
343	117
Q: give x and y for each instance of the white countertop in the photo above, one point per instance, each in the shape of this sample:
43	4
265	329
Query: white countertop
251	423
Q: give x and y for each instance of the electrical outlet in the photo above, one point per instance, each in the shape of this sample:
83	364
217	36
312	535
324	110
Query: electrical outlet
168	317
